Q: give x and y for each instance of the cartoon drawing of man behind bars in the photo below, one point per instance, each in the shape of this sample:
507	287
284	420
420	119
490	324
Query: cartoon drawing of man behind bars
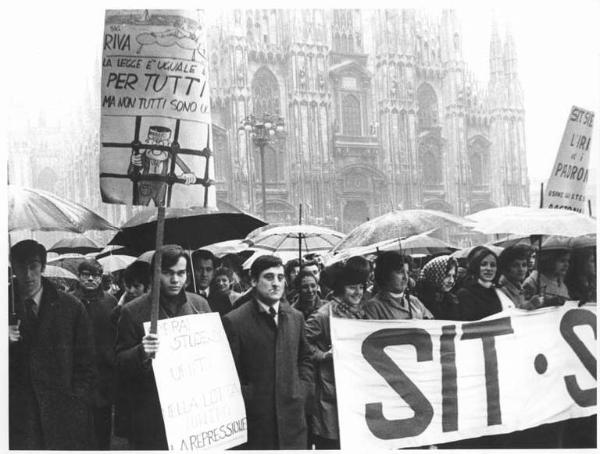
155	162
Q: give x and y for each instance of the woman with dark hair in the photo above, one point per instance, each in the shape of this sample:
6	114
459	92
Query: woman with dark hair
513	264
435	284
581	277
478	298
553	265
348	283
223	282
307	288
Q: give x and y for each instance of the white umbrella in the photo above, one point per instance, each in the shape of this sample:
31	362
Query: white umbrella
57	271
226	247
296	239
532	221
112	263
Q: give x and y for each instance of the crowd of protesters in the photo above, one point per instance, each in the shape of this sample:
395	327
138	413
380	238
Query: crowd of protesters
81	363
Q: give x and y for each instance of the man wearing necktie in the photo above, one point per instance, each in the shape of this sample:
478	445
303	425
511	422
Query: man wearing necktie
205	263
52	372
272	359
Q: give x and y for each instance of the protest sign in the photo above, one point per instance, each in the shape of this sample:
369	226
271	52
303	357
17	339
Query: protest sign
155	129
409	383
199	391
568	180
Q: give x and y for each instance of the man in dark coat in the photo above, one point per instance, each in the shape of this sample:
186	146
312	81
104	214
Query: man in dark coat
273	360
52	372
99	305
204	264
135	349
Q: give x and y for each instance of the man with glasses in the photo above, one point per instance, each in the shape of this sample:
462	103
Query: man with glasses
99	305
51	360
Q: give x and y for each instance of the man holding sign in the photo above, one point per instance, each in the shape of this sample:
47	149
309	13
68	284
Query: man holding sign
135	349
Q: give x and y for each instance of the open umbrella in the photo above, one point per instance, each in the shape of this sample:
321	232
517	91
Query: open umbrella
192	228
532	221
78	245
227	247
550	242
417	245
34	209
464	253
399	224
113	263
69	262
58	272
306	238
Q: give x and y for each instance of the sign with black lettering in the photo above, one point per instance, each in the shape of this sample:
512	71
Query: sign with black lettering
197	382
568	181
410	383
155	130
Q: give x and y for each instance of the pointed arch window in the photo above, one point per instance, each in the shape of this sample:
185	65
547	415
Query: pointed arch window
479	160
351	124
265	92
428	107
431	163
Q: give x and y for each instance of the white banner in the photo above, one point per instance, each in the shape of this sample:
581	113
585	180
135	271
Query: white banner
567	184
198	386
408	383
155	130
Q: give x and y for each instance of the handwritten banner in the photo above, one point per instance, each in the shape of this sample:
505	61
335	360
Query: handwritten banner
410	383
155	131
198	386
568	180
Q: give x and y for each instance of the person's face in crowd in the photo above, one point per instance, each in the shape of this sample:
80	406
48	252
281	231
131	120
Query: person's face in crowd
398	280
314	269
461	272
293	273
29	276
270	285
173	279
561	266
449	280
204	272
531	262
134	289
353	294
222	283
90	280
487	268
590	265
517	270
308	289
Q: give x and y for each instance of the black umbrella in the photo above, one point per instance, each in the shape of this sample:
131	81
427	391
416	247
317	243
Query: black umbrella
75	245
191	228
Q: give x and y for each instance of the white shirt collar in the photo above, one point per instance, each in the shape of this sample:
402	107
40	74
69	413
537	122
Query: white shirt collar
265	308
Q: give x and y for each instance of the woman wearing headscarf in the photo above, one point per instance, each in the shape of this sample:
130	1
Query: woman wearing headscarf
581	277
348	282
478	297
434	286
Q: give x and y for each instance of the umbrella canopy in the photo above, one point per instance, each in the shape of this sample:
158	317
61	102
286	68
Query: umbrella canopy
77	245
114	250
417	245
113	263
227	247
59	272
532	221
192	228
399	224
70	262
550	242
310	239
34	209
464	253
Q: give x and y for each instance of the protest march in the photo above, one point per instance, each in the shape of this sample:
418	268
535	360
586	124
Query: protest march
429	319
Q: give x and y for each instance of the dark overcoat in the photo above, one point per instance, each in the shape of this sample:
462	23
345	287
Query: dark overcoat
147	428
274	367
99	305
52	375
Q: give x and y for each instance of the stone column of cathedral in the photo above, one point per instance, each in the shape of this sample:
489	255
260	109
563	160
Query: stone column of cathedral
453	109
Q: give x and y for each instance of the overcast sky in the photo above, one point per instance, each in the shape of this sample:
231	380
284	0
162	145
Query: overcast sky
52	48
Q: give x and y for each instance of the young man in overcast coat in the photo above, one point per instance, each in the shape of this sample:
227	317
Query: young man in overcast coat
135	349
273	360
